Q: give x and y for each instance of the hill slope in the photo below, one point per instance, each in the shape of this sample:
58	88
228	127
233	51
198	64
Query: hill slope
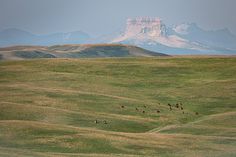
118	107
75	51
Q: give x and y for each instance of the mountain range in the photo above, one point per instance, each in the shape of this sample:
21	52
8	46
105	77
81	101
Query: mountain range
186	38
11	37
149	33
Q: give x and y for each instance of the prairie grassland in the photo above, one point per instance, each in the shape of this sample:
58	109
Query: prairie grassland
118	107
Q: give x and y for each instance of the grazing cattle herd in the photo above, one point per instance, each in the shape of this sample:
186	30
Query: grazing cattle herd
142	109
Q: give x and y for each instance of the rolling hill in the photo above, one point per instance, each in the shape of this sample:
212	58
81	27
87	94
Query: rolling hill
113	107
75	51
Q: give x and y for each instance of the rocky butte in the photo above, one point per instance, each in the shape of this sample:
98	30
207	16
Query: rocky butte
145	25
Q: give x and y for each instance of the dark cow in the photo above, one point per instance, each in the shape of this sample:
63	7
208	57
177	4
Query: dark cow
177	105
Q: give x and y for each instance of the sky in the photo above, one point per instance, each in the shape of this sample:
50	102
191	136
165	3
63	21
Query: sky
98	17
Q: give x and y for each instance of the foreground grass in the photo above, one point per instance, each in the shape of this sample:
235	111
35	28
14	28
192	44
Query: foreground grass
49	107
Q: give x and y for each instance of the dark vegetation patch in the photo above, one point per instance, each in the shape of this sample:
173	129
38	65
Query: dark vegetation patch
33	54
102	51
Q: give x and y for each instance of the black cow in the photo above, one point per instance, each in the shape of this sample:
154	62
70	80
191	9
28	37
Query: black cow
177	105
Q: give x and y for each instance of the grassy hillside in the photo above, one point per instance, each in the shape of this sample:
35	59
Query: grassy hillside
118	107
74	51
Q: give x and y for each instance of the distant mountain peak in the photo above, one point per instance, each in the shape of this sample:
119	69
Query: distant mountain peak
151	31
14	32
186	28
153	34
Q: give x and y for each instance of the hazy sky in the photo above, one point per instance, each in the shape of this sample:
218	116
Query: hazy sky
98	17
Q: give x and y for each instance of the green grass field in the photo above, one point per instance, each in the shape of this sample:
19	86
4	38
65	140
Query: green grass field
48	107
